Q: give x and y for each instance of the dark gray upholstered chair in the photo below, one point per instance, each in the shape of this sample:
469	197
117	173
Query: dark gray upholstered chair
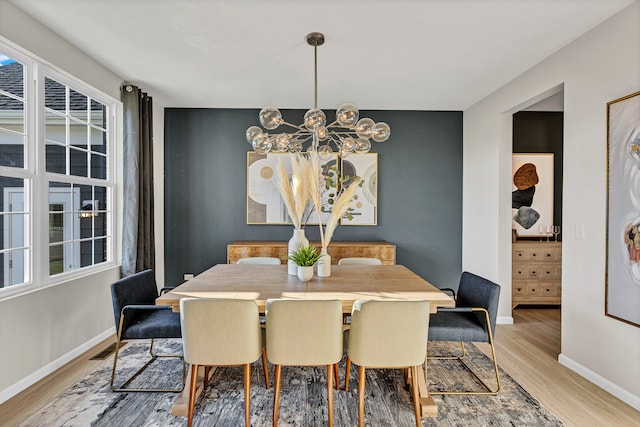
472	320
137	317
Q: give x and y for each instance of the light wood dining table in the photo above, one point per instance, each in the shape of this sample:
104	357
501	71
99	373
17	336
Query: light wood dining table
347	283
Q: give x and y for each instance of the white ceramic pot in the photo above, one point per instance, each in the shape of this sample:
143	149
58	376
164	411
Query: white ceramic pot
305	273
324	264
296	242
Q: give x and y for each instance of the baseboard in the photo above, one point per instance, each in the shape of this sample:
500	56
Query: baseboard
614	389
504	320
30	380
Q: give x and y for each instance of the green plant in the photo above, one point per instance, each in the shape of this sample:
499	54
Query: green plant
305	256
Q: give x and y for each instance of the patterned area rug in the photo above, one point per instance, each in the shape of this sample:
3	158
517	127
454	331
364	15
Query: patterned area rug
303	397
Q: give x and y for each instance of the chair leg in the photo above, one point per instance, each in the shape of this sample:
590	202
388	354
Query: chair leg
139	371
415	393
192	393
347	374
337	375
330	371
487	390
265	368
247	395
361	382
277	372
205	381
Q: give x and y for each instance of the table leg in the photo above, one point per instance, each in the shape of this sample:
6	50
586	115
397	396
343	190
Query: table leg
180	406
427	404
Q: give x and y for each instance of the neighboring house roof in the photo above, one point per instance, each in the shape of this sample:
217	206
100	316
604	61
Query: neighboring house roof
12	81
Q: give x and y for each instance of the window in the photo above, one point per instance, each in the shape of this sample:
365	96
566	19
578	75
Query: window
56	149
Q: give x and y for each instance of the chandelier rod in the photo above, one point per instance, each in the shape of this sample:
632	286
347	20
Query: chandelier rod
315	39
315	76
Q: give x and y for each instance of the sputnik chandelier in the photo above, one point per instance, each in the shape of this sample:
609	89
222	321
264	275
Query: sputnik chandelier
348	133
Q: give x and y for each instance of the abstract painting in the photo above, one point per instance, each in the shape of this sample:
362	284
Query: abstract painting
532	193
365	204
622	298
264	203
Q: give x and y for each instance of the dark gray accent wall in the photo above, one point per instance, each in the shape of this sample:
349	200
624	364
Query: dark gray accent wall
419	190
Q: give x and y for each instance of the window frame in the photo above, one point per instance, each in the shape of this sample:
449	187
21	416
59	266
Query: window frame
37	179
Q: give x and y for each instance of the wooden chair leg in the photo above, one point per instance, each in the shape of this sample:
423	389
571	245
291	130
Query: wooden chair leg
330	371
247	395
205	382
265	368
415	392
337	375
361	382
347	374
277	372
192	394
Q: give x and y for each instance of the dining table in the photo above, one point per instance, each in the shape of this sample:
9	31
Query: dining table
347	284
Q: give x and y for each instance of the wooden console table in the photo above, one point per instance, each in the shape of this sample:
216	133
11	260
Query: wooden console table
385	251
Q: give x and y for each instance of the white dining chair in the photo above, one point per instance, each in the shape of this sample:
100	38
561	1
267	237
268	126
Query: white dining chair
387	334
220	332
260	260
359	261
304	333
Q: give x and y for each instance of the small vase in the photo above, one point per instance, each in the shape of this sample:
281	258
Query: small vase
324	264
296	242
305	273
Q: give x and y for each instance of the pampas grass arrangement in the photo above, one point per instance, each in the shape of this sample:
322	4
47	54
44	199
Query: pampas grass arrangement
341	205
306	185
293	192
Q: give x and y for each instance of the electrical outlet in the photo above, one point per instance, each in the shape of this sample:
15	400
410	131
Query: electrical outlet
188	276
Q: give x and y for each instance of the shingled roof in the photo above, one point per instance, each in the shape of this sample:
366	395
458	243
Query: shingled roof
12	81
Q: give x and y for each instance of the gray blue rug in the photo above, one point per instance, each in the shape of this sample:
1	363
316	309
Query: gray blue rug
303	397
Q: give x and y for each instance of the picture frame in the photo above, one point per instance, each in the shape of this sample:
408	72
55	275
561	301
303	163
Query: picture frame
365	209
532	193
622	283
264	202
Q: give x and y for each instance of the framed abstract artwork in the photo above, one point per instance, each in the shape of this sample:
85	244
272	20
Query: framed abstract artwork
264	203
532	193
622	284
365	206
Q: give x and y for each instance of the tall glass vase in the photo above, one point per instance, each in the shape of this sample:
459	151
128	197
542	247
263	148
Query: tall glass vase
297	241
324	264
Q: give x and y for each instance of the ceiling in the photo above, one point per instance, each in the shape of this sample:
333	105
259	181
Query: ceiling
378	54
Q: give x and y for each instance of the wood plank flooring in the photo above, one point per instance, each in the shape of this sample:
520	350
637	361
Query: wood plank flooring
527	350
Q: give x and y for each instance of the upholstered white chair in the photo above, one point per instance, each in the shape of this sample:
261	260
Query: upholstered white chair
220	332
304	333
260	260
387	334
359	261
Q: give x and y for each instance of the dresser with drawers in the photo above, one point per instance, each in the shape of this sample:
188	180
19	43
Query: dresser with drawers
536	273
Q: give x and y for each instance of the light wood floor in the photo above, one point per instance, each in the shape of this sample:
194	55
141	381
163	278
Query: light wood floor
527	350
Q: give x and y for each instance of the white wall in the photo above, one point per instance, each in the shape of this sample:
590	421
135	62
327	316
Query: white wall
600	66
42	330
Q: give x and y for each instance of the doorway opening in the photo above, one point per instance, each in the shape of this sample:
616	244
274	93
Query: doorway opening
537	168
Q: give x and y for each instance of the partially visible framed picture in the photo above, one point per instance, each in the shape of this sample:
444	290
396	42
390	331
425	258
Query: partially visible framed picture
532	194
264	203
622	298
365	210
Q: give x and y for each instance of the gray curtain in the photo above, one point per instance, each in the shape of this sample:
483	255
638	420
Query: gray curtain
138	249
